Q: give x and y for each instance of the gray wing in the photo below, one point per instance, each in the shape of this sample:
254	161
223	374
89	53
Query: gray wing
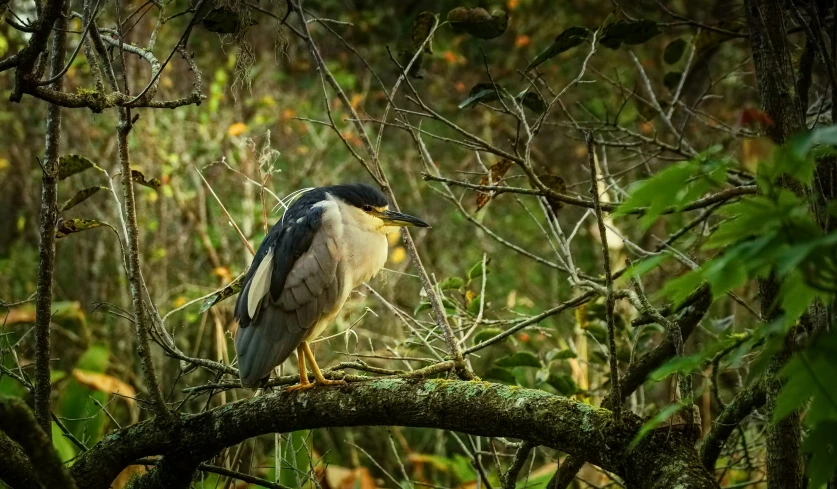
290	287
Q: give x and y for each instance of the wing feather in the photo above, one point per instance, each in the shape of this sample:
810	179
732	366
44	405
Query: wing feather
291	286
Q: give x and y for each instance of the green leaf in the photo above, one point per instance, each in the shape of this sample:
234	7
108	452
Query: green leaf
66	227
501	374
822	444
629	32
421	29
478	22
80	197
519	359
230	290
556	354
685	364
641	267
454	283
564	384
69	165
674	51
482	92
474	306
570	38
486	335
65	448
422	306
654	422
226	20
476	270
139	178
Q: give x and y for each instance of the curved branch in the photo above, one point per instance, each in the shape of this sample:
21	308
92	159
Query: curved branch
17	421
478	408
741	406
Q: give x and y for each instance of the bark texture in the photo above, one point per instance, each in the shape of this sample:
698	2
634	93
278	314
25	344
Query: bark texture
663	460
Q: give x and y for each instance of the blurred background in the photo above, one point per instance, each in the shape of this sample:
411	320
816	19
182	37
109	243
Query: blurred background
259	122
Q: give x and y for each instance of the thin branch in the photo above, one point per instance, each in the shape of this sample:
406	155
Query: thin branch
610	300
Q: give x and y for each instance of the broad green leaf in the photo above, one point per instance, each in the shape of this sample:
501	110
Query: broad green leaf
66	227
80	197
629	32
65	448
674	51
822	445
421	29
478	22
486	335
422	306
474	306
454	283
556	354
69	165
654	422
233	288
519	359
641	267
568	39
501	374
476	271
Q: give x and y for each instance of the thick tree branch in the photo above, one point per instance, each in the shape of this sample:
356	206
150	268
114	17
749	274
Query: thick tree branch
744	403
15	469
18	423
477	408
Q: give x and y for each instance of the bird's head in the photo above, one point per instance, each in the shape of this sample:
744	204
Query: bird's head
369	207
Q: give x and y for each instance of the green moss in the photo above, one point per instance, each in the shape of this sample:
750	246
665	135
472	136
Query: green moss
387	384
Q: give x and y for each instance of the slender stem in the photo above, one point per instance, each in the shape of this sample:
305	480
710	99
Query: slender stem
46	247
132	238
610	301
519	460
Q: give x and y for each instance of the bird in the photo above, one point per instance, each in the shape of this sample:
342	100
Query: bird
328	242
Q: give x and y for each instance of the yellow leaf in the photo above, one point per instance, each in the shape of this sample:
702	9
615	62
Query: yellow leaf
104	383
469	296
237	129
356	100
179	301
4	163
399	254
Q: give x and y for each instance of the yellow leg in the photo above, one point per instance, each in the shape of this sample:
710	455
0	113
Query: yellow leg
318	375
303	372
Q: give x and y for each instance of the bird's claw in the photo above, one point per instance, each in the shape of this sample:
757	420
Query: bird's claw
309	385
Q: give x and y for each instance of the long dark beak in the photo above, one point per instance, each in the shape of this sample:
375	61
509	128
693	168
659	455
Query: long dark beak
392	218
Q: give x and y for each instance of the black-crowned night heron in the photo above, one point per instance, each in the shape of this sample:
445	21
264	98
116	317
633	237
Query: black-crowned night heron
331	240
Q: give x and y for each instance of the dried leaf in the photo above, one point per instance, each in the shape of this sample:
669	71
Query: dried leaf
226	20
629	32
230	290
104	383
80	197
568	39
139	178
555	183
478	22
421	29
21	314
495	174
66	227
69	165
